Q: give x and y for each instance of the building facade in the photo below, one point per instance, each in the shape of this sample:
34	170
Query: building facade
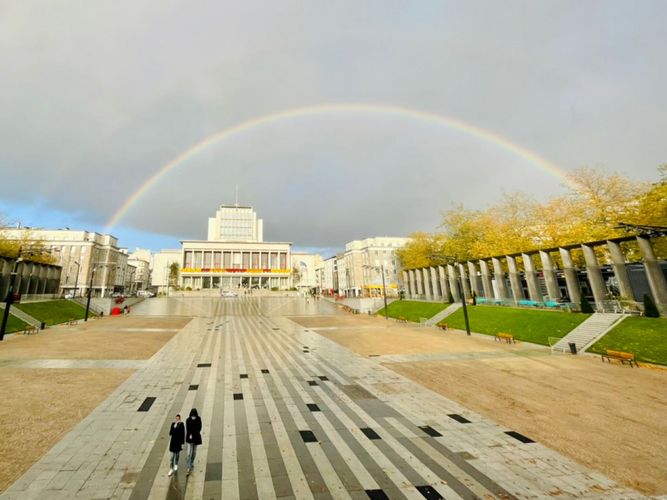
359	271
87	259
305	271
235	255
141	260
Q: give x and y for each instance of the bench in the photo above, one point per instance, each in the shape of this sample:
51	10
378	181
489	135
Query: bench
30	330
623	357
401	319
443	326
500	337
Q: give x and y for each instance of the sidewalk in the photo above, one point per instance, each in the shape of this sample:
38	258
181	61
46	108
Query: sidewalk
288	413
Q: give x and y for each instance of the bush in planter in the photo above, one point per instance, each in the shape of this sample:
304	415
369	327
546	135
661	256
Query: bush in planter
650	309
586	306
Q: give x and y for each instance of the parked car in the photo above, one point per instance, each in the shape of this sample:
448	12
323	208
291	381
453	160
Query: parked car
69	295
228	293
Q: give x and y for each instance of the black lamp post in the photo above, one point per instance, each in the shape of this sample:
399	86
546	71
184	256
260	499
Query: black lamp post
90	291
384	287
76	280
447	258
10	296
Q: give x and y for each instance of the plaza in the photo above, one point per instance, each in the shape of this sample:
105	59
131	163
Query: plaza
300	400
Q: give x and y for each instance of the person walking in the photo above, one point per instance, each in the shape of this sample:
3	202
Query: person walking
177	433
192	436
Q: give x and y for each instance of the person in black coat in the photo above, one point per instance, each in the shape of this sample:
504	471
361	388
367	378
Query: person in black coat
177	433
193	436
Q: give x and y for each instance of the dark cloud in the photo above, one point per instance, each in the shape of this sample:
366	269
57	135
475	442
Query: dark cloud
96	98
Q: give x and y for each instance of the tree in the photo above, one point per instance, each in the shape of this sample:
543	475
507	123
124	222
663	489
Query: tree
296	275
586	306
420	250
174	272
650	309
30	247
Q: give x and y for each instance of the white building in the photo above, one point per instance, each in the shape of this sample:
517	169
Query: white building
235	255
162	262
142	260
82	255
358	271
305	270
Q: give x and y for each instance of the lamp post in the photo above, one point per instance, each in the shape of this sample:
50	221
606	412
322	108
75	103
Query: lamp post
90	291
10	295
448	259
76	280
384	287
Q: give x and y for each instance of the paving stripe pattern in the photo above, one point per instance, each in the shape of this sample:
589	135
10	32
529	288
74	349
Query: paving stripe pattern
289	414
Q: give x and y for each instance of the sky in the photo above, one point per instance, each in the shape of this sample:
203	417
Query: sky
98	97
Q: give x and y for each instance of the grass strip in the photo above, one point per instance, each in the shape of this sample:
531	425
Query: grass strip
528	325
412	310
645	337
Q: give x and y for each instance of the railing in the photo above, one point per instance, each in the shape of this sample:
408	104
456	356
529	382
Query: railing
38	297
547	304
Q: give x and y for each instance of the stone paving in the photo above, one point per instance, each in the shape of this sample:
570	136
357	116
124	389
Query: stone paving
288	413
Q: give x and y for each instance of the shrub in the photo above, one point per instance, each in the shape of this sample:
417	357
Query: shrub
650	309
586	306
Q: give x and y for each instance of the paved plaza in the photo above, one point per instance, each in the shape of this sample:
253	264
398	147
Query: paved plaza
288	413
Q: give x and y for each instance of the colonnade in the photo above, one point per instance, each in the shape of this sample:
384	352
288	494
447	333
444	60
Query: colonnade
487	277
31	278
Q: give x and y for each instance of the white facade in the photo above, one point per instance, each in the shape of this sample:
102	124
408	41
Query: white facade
162	260
81	254
358	271
306	266
235	255
235	223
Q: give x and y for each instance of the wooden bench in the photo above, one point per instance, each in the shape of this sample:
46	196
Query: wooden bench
401	319
443	326
623	357
30	330
500	337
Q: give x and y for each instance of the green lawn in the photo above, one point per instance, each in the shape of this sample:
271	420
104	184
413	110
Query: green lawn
646	337
13	323
412	310
53	312
528	325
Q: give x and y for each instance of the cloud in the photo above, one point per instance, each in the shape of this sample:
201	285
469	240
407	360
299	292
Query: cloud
96	98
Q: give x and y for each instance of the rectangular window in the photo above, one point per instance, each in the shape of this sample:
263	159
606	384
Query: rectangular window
188	259
265	260
207	260
198	259
283	260
255	260
227	260
246	260
217	259
274	260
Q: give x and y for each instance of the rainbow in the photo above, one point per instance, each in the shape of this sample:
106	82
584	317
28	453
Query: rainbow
325	109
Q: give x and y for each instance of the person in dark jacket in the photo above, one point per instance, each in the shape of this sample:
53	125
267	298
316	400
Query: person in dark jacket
177	433
193	436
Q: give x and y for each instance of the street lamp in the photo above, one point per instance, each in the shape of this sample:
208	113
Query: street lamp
10	292
90	290
448	259
90	285
384	287
76	280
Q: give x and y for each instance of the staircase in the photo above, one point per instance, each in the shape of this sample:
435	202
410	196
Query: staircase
588	332
26	318
443	314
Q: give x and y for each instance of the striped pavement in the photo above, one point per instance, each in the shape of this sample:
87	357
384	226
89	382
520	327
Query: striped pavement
289	414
